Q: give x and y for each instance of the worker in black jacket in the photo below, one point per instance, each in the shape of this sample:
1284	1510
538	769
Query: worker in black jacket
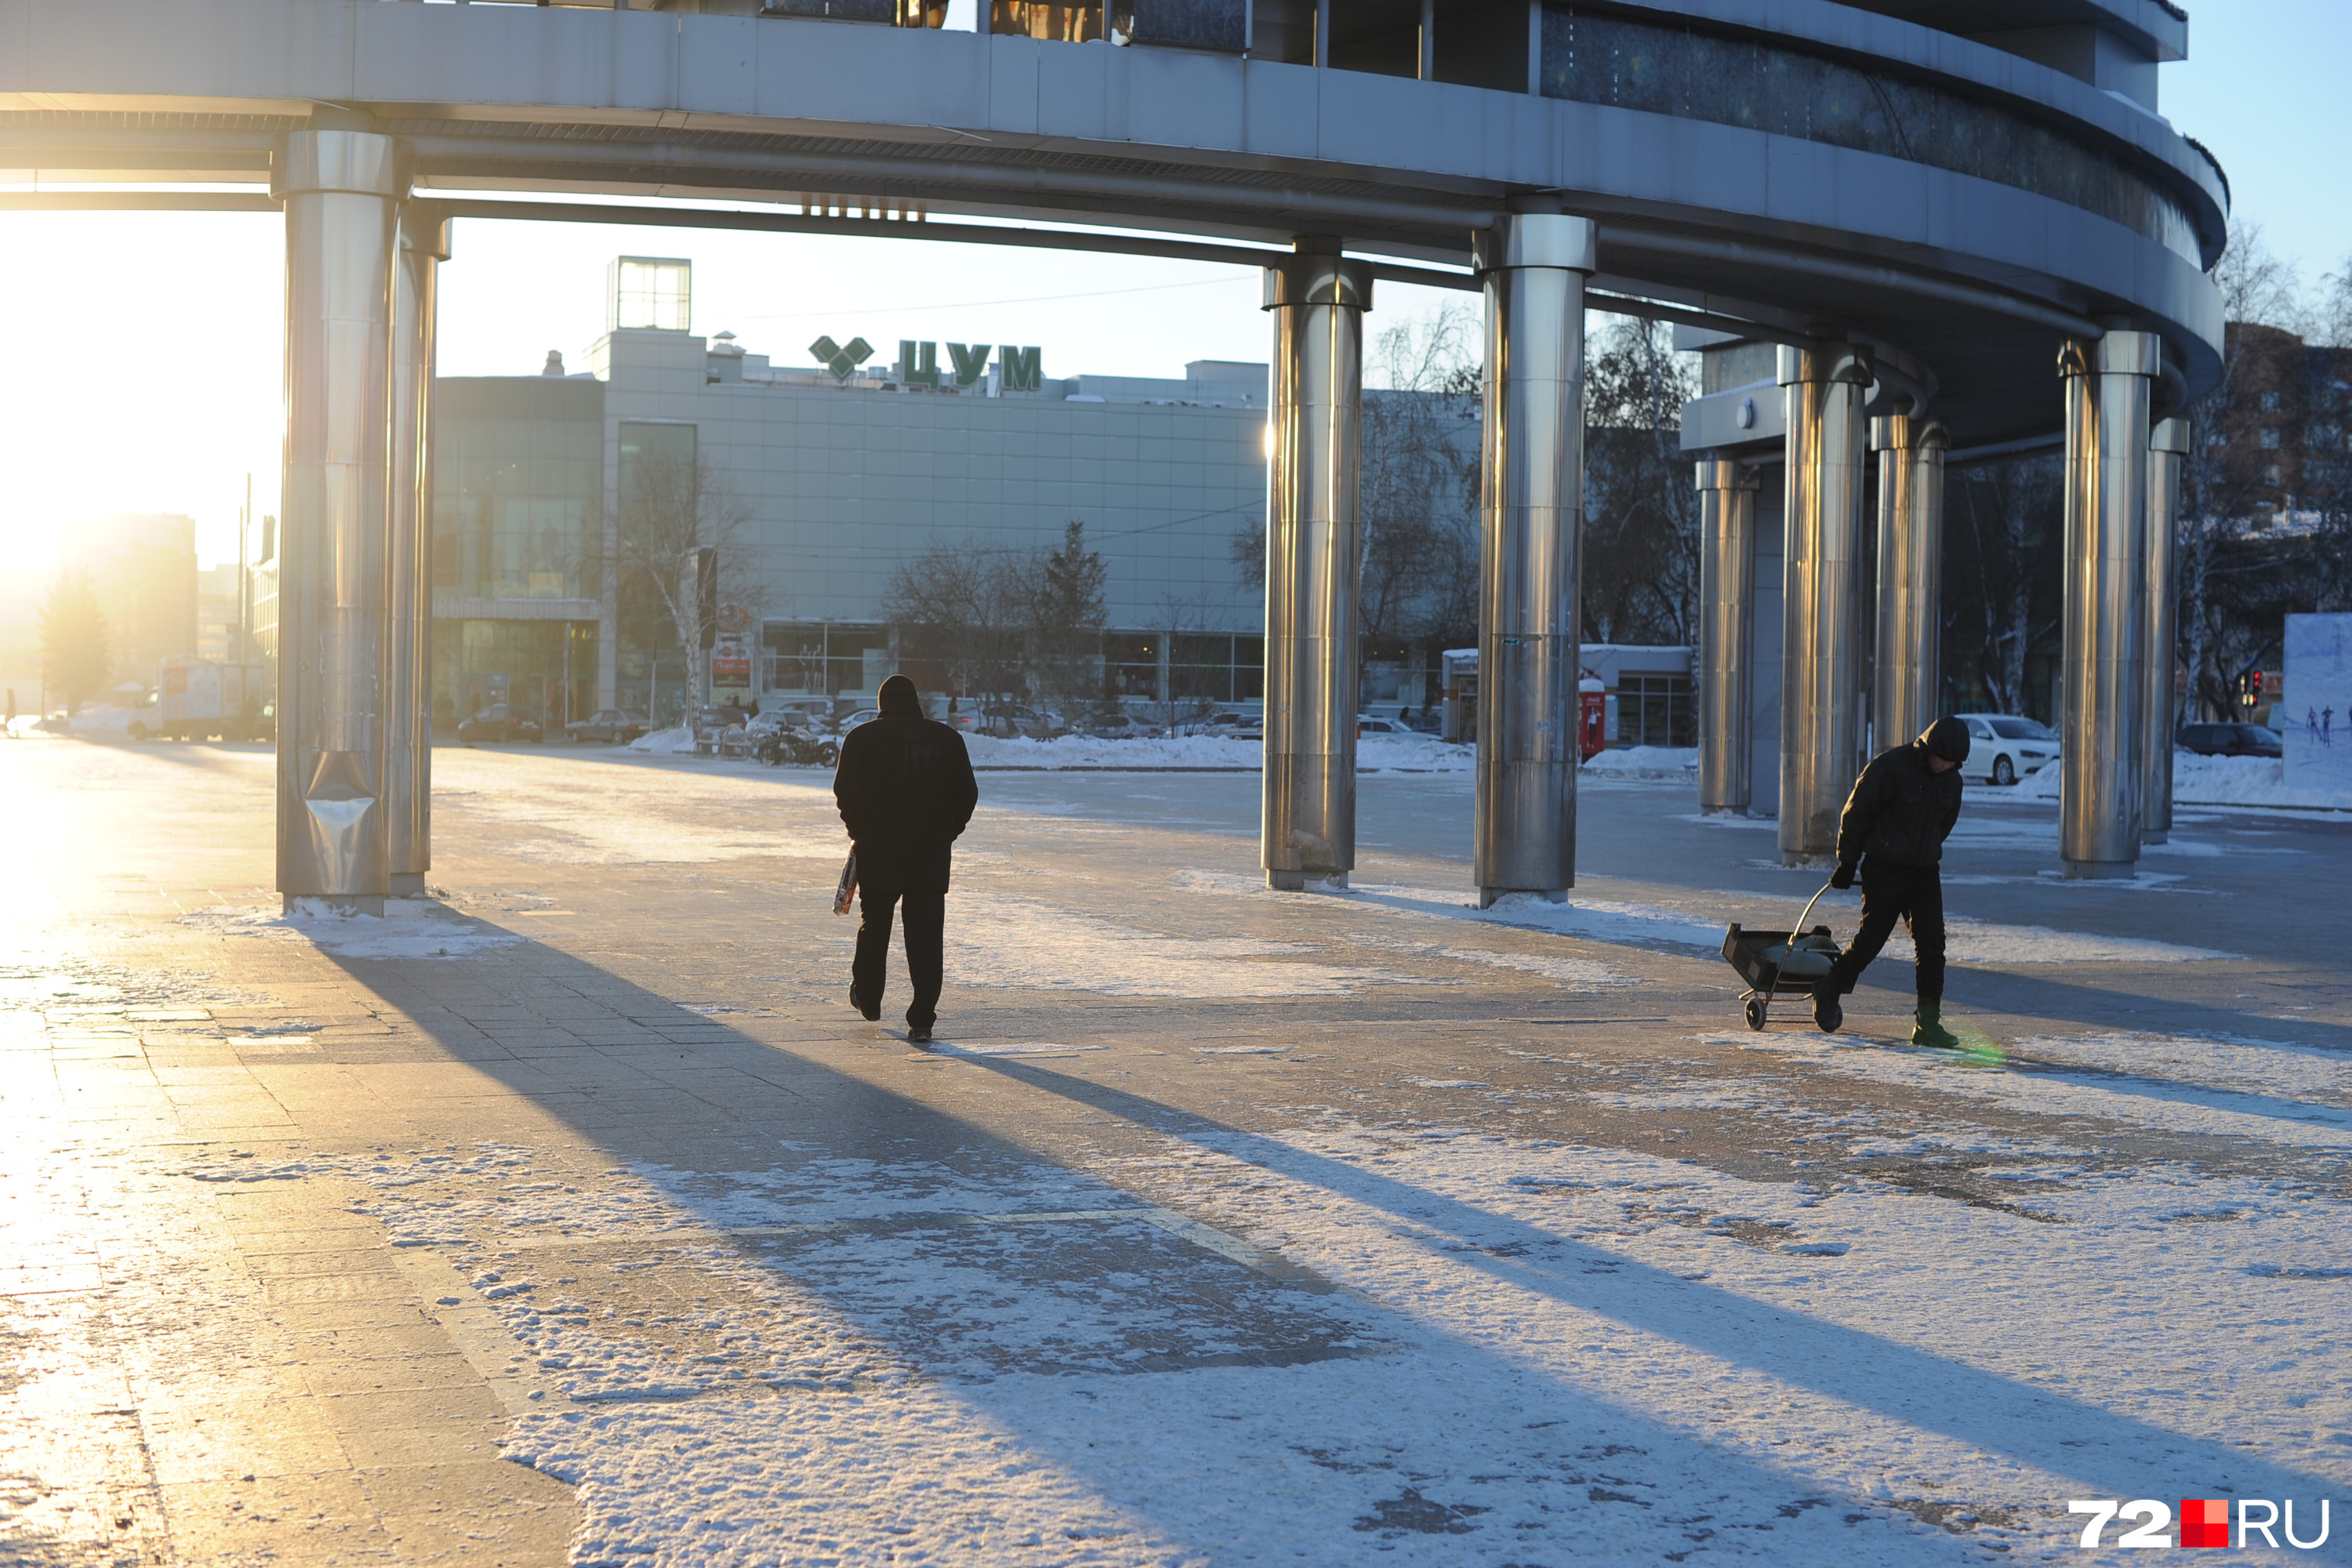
1895	822
906	792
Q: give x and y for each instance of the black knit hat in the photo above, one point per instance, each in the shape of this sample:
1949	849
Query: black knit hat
1946	738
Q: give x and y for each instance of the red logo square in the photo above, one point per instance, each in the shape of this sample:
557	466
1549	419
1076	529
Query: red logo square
2204	1521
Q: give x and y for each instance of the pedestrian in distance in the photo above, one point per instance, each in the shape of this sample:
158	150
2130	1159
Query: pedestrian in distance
1901	811
907	793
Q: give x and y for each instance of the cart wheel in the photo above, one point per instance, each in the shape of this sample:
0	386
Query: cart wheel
1756	1012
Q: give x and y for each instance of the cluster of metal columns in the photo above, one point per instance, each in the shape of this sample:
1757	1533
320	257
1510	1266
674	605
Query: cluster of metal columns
355	629
2122	510
355	641
1533	265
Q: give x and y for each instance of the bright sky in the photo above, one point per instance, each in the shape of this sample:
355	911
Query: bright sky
140	357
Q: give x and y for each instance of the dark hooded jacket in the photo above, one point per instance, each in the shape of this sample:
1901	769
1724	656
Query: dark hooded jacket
1901	809
906	792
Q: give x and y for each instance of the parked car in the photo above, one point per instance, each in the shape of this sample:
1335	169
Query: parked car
2005	747
1234	726
1014	721
2230	740
615	726
1368	725
498	723
864	715
1117	726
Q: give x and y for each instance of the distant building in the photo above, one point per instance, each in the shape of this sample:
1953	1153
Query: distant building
847	468
143	567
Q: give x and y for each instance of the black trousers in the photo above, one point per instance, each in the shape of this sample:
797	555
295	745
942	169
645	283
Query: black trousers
926	921
1890	892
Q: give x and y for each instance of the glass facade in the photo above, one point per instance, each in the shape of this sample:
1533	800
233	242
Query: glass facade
518	545
518	488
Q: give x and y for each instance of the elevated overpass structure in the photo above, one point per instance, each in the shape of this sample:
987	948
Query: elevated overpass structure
1955	222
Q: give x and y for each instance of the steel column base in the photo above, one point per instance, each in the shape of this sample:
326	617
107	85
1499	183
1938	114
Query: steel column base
1488	895
407	884
2149	836
1299	881
338	903
2102	871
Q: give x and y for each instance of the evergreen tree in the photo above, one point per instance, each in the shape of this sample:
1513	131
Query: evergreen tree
1069	616
73	641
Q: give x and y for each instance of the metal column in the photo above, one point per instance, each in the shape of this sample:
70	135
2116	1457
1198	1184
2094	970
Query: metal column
1531	514
2103	678
1313	547
408	557
1907	675
1726	621
341	189
2167	445
1822	688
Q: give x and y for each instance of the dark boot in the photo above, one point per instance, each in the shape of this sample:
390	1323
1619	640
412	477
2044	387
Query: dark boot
870	1011
1826	1011
1928	1029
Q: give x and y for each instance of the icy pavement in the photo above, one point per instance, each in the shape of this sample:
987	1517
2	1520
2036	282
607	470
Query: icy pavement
575	1218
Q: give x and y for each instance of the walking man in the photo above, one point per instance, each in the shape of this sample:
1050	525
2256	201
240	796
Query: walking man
1901	811
906	792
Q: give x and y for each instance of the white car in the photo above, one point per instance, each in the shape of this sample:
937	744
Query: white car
2005	747
1368	725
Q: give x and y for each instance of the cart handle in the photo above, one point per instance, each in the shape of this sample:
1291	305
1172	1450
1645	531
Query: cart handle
1790	943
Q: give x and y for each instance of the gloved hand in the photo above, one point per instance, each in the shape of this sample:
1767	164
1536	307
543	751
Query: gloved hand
1843	876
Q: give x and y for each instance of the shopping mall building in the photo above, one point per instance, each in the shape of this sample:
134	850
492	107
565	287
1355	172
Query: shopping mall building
841	473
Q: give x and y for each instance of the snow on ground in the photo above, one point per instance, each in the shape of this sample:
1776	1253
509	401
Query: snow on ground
1647	761
1405	753
1027	945
670	743
1661	928
407	928
2126	1081
2210	780
1464	1347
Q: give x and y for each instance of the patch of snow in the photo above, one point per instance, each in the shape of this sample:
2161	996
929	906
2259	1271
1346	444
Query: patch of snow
1020	943
670	743
407	928
1411	753
2211	781
1646	761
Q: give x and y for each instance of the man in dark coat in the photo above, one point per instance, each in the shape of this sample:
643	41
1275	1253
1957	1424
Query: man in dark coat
1895	822
905	790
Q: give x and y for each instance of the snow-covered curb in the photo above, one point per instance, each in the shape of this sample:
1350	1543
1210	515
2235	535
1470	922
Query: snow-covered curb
2213	781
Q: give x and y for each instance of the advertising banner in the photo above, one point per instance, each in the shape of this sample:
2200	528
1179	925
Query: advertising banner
731	670
2315	712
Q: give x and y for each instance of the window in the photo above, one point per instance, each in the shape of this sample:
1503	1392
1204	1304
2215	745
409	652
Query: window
1655	710
2271	474
650	291
2270	402
2270	441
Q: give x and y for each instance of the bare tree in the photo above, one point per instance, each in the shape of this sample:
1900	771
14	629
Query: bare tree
673	504
2216	481
1641	513
969	605
2002	559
